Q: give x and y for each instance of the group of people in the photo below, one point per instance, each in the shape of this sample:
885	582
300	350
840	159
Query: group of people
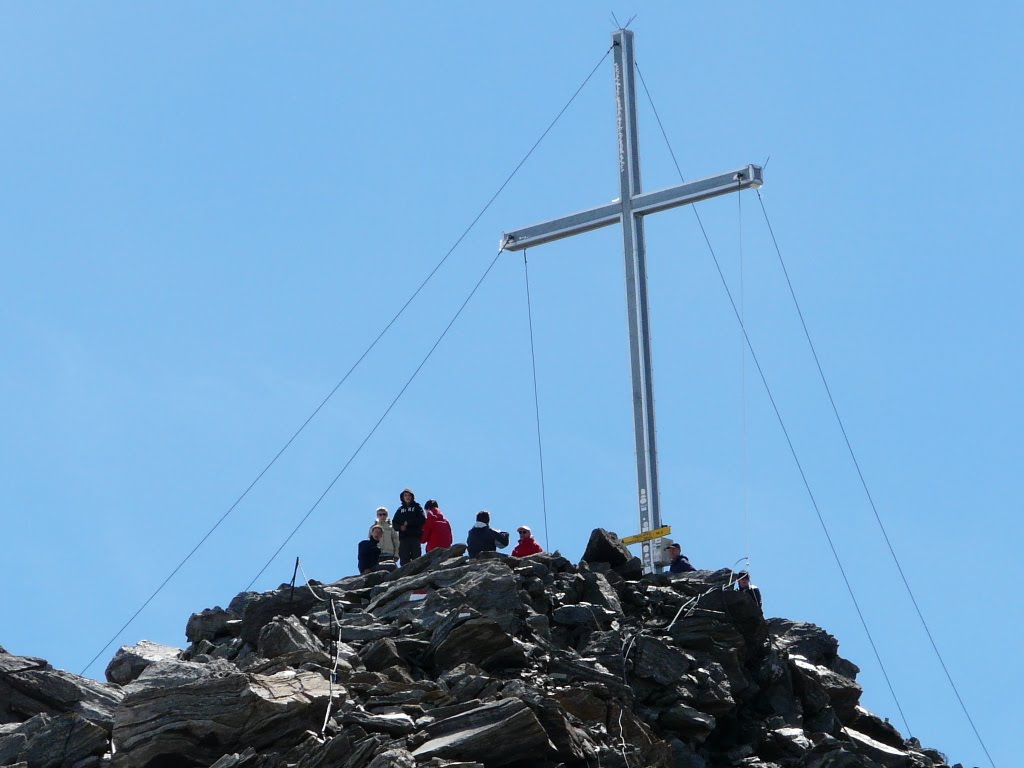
401	536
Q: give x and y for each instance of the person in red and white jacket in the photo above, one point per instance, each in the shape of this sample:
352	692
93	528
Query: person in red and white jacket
527	544
437	531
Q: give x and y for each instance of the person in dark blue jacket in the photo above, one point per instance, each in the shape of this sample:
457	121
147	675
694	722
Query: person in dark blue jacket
369	550
679	562
483	538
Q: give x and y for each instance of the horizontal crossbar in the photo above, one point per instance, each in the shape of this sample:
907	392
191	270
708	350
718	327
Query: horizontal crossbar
749	176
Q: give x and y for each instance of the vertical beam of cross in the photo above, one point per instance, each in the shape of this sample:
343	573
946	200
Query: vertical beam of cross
629	210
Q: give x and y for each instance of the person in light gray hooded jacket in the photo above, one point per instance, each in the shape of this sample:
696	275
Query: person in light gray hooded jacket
389	541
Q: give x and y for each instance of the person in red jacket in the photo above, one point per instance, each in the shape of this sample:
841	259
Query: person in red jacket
437	531
527	544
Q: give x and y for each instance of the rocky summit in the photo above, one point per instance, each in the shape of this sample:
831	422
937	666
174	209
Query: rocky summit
448	661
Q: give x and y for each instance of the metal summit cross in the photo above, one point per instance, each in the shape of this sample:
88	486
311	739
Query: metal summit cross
629	210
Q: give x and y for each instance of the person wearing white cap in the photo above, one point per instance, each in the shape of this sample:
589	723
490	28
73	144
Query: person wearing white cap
389	537
527	544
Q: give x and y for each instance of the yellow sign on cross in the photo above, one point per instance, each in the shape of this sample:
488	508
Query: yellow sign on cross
657	533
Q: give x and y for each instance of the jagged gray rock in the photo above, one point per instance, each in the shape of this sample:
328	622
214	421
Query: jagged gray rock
474	735
53	742
130	660
451	663
204	718
30	686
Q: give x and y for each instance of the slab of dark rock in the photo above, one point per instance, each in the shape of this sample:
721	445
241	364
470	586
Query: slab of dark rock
260	609
628	729
587	703
843	694
595	588
606	547
286	635
172	673
212	624
583	615
45	741
707	688
209	717
878	729
578	670
572	743
130	660
788	743
474	735
465	636
381	654
236	759
393	724
799	638
362	633
30	686
883	754
54	742
488	587
426	562
655	659
692	724
393	758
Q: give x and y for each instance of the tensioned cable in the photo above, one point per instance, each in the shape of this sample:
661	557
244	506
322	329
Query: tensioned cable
782	424
380	420
536	401
864	484
355	365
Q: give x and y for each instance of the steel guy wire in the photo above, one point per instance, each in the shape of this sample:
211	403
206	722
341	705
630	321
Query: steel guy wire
380	420
536	401
864	484
355	365
782	424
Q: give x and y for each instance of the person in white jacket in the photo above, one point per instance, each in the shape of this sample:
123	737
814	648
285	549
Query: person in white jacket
389	541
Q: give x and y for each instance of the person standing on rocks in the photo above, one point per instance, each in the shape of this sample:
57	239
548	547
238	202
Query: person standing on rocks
408	520
679	562
743	585
369	550
527	544
483	538
437	531
389	541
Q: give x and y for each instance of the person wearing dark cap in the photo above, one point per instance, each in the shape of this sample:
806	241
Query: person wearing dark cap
527	544
369	550
408	520
679	563
483	538
743	585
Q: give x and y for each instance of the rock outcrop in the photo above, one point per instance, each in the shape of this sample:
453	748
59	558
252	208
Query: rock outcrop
447	661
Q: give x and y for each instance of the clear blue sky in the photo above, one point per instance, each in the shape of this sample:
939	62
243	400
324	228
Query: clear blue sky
208	211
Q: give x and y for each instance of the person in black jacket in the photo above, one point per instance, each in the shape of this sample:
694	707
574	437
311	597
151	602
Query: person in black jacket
483	538
408	520
679	562
369	550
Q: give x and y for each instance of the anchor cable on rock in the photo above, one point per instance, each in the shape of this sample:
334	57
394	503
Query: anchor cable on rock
864	484
536	401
